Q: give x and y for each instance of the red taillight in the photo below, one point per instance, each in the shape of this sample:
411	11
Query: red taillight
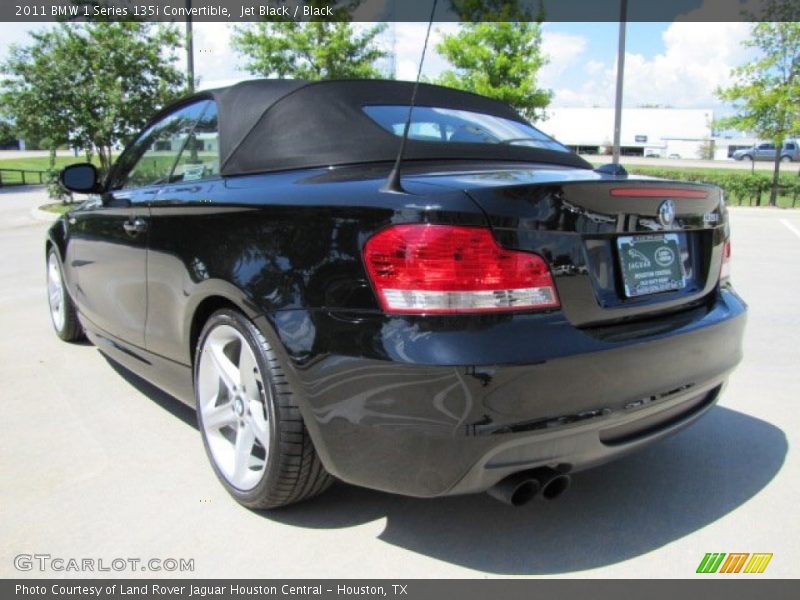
450	269
725	269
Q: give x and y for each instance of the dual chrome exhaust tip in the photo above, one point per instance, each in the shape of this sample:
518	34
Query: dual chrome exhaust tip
520	488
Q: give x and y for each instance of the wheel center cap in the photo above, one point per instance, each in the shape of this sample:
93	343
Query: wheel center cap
238	407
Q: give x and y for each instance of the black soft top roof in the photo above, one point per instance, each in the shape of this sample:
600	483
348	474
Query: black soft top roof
279	124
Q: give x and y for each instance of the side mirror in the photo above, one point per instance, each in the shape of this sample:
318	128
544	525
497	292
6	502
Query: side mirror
81	178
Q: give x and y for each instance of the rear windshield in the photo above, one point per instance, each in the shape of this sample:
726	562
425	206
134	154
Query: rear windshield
448	125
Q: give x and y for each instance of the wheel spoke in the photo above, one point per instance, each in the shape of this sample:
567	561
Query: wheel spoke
245	437
227	371
217	417
249	374
259	424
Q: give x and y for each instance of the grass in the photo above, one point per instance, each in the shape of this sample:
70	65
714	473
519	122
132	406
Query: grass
13	178
56	208
33	163
787	194
709	171
39	163
787	170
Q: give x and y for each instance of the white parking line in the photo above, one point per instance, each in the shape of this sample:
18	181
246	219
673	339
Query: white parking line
791	227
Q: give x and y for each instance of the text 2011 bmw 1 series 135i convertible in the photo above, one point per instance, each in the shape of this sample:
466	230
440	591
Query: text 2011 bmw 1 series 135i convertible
489	313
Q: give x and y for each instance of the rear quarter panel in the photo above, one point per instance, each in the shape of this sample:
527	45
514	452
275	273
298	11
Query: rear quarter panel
277	242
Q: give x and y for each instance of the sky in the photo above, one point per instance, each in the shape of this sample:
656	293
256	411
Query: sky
678	64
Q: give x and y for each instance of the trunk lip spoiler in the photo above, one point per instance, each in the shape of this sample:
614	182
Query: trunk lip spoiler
658	192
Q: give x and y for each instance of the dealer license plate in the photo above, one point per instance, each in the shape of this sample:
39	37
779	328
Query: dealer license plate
651	263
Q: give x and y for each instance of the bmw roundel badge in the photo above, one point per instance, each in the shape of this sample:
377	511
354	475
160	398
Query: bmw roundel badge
666	212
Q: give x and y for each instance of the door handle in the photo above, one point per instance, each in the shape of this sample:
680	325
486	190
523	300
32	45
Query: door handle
134	226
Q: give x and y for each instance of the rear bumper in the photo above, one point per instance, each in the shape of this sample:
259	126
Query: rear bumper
396	406
582	446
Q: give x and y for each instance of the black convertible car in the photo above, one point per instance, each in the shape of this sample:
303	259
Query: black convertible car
499	317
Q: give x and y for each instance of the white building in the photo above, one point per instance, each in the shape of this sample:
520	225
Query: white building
203	142
664	132
724	147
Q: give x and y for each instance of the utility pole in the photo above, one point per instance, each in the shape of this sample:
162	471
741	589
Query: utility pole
189	47
623	17
393	65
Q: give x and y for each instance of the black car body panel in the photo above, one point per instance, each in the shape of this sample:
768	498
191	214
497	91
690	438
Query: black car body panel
419	404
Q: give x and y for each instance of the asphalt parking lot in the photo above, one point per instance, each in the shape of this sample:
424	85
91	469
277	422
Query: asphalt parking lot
95	463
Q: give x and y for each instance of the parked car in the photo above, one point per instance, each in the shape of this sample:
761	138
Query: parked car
766	151
496	318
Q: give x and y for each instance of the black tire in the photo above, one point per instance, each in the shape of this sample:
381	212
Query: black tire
69	327
293	471
786	159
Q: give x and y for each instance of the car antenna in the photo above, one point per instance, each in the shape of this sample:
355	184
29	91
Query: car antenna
393	184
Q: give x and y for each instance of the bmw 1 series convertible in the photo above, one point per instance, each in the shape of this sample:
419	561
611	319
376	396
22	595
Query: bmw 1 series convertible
426	296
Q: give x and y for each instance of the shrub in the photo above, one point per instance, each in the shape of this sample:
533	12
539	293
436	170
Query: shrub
739	187
54	188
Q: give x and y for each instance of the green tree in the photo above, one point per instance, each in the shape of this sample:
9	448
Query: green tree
495	10
27	97
7	132
766	91
329	49
500	60
91	86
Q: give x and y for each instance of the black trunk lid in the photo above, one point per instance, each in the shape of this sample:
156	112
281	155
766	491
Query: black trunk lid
590	228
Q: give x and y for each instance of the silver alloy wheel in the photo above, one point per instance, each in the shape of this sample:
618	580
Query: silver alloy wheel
55	292
232	399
